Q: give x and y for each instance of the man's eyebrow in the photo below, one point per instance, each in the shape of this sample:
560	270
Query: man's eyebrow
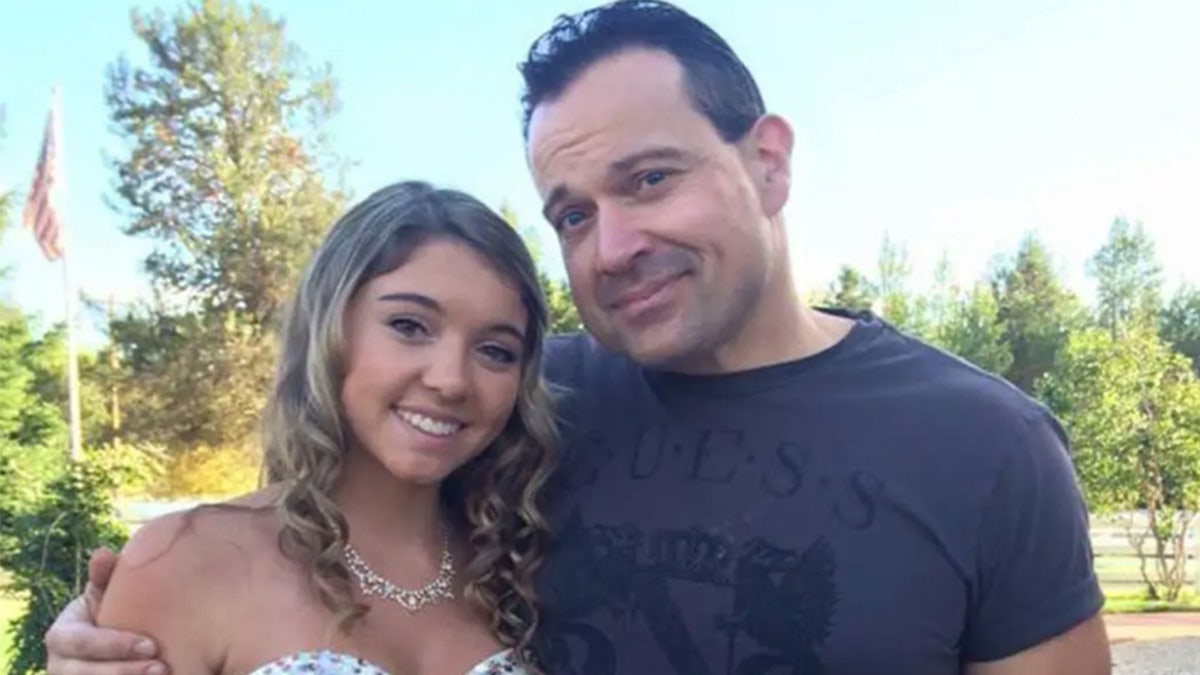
623	165
556	195
628	162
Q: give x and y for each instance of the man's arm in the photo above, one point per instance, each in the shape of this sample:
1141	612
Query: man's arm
75	645
1036	602
1082	650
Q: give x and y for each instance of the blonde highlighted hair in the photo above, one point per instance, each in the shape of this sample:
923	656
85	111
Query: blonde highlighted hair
495	496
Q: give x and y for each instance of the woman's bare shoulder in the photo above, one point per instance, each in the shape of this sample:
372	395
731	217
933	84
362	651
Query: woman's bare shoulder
180	573
199	541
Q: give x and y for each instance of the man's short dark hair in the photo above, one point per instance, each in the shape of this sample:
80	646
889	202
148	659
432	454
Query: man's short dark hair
717	82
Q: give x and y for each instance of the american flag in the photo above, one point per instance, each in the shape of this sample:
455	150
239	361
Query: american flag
41	209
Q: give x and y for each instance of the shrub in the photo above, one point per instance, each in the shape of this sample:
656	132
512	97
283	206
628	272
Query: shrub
49	561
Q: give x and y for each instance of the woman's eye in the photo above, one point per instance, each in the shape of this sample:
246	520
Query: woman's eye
408	327
499	354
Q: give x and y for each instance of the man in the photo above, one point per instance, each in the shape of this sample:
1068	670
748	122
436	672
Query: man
753	485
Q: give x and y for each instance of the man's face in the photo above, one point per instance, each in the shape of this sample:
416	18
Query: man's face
666	229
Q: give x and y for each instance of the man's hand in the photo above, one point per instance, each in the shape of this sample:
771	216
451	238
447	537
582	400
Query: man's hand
76	646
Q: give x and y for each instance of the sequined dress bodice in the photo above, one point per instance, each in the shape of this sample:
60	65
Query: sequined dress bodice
334	663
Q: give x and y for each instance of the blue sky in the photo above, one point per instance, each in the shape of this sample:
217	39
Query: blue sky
951	126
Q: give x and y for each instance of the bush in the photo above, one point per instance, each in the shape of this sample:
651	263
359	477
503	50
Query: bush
1131	406
49	562
211	472
136	470
25	473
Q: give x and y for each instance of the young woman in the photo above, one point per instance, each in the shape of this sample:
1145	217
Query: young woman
408	436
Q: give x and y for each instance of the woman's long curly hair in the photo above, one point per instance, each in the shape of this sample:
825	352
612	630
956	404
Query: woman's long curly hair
495	496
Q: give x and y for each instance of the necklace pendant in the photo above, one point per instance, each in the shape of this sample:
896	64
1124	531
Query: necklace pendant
412	600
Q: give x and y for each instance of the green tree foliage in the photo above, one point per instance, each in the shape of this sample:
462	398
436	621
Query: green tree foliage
1037	312
194	379
32	430
25	471
49	564
943	298
851	290
1129	278
226	155
32	435
888	293
136	470
212	473
899	305
15	378
46	358
31	400
971	329
226	169
1132	408
1179	324
564	317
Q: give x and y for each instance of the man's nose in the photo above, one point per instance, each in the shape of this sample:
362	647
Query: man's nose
620	239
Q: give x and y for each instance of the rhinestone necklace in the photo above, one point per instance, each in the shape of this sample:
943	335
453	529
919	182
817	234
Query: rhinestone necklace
412	600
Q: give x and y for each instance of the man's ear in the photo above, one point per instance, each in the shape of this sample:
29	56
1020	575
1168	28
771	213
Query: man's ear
769	143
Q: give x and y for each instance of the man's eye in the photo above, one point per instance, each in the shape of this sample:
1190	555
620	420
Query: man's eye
652	178
571	218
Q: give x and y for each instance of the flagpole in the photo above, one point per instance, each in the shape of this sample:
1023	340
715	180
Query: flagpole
72	363
43	216
68	303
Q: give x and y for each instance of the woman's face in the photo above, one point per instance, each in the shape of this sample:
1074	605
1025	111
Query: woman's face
433	357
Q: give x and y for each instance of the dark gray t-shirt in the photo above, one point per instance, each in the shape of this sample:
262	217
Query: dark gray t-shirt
880	507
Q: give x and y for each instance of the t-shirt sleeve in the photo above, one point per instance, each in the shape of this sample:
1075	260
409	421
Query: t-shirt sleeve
560	359
1036	578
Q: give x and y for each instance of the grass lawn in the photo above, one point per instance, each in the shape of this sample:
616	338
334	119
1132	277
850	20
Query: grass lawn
1121	579
1125	601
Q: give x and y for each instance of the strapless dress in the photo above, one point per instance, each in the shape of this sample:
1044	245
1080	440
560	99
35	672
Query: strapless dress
326	662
